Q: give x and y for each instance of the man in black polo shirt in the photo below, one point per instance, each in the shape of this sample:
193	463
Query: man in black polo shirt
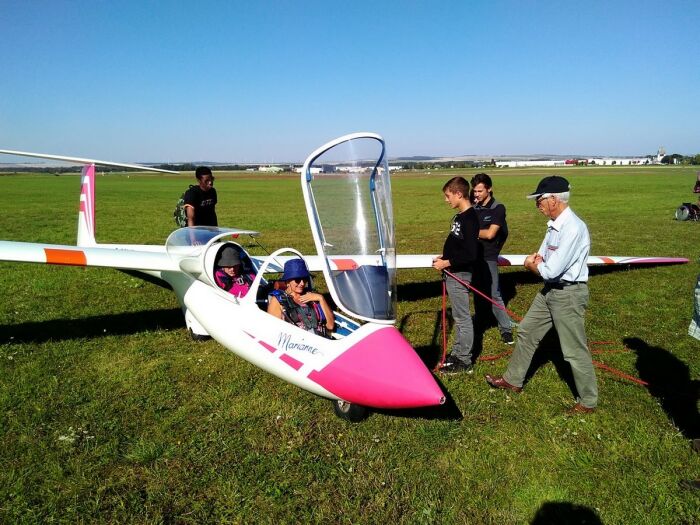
200	200
493	232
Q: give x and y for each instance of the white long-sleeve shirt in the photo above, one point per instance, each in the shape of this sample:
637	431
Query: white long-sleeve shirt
565	249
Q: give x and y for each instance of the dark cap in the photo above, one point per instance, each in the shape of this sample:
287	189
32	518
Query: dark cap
553	184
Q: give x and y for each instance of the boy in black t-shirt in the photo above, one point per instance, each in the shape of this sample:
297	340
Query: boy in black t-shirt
459	254
200	200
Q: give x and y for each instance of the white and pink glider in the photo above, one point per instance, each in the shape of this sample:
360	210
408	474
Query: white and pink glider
347	191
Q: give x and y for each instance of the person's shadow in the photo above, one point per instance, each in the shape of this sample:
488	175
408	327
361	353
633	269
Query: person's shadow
565	513
670	383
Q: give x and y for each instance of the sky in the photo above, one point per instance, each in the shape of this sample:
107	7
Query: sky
270	81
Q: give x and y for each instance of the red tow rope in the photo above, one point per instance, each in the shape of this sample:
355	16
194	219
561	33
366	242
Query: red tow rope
444	325
515	316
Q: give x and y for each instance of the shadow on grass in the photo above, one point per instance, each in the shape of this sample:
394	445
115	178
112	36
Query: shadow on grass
426	289
431	353
670	383
89	327
558	512
417	291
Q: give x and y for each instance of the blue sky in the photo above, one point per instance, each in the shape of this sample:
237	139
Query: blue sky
269	81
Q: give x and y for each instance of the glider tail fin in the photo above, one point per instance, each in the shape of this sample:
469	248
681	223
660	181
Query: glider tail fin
86	212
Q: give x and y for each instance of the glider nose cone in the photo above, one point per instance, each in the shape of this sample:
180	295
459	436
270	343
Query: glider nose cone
382	371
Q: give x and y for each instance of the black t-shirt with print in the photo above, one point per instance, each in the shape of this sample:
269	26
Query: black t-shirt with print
204	204
462	246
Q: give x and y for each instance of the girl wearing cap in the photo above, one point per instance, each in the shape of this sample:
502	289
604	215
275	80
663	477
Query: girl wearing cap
230	276
297	304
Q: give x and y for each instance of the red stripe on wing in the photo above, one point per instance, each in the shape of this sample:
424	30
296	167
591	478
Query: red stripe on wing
66	257
345	264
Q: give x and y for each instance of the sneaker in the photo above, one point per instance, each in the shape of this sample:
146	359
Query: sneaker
452	365
507	338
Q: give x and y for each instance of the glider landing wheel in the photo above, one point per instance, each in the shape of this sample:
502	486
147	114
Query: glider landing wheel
349	411
198	337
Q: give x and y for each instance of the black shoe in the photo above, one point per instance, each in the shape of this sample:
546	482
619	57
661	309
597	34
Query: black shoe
507	338
452	365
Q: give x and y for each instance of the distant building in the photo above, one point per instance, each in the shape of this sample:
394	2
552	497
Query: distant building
529	163
590	161
270	169
614	161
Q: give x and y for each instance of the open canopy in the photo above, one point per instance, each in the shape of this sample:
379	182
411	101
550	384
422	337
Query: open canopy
190	241
187	246
347	192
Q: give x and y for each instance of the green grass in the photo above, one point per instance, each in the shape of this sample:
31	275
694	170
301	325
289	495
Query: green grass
109	413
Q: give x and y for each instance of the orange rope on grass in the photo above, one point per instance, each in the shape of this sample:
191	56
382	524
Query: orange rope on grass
513	315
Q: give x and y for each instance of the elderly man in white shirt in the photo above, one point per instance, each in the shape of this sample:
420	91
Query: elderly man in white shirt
561	262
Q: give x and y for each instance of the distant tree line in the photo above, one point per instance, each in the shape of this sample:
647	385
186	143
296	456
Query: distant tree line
693	160
113	169
191	167
435	165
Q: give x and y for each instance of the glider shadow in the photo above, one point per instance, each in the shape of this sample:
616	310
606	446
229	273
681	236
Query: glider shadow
127	323
430	354
508	281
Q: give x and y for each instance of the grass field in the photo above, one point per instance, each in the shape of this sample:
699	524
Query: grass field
109	413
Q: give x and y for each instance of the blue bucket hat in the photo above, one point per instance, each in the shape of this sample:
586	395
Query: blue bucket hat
295	269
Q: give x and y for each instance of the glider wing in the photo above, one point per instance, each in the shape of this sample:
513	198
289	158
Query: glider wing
130	258
350	262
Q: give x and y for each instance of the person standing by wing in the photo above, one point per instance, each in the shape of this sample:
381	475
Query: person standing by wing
493	232
460	252
200	200
561	262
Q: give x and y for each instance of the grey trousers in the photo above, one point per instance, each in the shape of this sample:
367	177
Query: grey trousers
565	310
504	324
464	328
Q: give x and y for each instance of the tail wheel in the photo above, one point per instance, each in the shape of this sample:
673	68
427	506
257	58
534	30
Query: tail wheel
349	411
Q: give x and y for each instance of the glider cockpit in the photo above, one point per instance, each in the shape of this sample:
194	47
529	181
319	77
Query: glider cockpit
196	250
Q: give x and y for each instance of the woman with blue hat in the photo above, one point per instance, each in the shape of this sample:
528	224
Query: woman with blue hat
299	305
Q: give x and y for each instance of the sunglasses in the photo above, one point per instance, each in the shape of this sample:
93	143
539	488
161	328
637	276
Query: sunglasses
298	280
539	200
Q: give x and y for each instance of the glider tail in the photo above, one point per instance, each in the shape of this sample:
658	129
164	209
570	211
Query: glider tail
86	212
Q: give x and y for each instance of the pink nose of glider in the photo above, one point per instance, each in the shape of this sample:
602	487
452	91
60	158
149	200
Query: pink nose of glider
381	371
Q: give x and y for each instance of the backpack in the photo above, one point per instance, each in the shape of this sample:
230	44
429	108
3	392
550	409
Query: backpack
180	214
688	212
